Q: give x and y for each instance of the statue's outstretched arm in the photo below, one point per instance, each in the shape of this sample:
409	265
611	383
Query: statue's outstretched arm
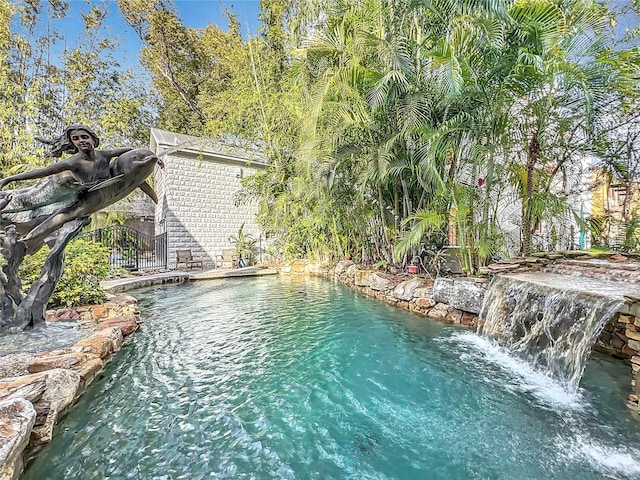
37	173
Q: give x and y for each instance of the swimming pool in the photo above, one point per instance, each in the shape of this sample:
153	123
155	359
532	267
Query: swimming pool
301	378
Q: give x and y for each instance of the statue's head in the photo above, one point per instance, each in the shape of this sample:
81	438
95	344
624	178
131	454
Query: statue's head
71	128
63	143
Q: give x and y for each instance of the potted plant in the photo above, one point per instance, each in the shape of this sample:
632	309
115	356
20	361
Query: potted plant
245	246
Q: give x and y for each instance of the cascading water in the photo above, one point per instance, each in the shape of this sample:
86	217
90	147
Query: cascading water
552	325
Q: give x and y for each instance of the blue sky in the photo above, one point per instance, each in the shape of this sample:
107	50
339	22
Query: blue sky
200	13
194	13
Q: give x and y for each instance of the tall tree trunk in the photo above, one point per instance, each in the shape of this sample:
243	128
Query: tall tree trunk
533	154
388	247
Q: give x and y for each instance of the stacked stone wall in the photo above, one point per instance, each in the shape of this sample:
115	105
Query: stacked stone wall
621	338
403	291
37	390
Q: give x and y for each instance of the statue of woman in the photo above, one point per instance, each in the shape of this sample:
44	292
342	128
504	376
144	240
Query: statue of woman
63	181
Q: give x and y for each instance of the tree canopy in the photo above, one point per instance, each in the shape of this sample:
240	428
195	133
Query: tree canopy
47	83
391	127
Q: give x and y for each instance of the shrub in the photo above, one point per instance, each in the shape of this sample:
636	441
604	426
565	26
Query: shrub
86	263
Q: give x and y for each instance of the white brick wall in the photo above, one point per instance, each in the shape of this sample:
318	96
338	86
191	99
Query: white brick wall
196	202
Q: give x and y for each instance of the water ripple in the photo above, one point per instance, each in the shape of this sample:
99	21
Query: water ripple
297	379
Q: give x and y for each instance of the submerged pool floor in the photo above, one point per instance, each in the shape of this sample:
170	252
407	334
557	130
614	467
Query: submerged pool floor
298	379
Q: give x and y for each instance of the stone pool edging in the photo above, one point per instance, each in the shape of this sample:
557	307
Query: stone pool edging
412	293
31	404
457	300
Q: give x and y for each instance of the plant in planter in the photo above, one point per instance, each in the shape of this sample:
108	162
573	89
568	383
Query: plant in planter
245	246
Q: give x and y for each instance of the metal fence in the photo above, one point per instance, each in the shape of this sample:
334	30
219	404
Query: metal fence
131	249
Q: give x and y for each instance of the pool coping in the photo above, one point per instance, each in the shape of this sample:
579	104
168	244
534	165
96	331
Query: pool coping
120	285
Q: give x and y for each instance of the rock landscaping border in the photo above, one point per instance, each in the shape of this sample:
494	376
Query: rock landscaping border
43	386
458	300
37	389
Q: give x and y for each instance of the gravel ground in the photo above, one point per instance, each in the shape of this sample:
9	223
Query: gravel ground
14	365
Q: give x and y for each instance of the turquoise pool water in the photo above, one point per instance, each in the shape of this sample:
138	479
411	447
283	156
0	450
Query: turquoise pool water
298	379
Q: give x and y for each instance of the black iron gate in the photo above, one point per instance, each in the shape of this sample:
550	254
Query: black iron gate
131	249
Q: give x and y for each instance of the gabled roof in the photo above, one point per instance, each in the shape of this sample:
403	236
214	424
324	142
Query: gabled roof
225	148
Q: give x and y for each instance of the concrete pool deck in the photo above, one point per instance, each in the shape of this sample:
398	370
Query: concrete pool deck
120	285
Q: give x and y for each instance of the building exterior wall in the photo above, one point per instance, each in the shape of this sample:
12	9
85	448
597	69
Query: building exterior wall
562	232
615	205
196	203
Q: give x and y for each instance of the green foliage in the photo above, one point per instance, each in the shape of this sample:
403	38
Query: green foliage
381	265
409	106
41	92
380	118
86	264
428	224
245	243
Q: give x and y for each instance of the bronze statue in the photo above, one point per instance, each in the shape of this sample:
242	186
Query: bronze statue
63	180
71	190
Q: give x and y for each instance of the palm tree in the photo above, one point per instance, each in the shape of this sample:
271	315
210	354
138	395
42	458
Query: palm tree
417	110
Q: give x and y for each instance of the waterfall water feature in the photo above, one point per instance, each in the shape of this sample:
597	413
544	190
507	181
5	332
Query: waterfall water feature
552	321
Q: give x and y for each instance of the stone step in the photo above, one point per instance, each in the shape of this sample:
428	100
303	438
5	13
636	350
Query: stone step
611	271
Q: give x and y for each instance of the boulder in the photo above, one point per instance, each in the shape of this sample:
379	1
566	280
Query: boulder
454	316
29	391
499	267
71	361
16	421
440	311
352	271
626	318
99	311
461	293
13	383
378	282
632	333
62	388
425	302
89	370
424	291
128	325
360	278
124	300
299	266
634	345
616	257
99	345
469	319
317	269
405	290
69	314
342	266
114	334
